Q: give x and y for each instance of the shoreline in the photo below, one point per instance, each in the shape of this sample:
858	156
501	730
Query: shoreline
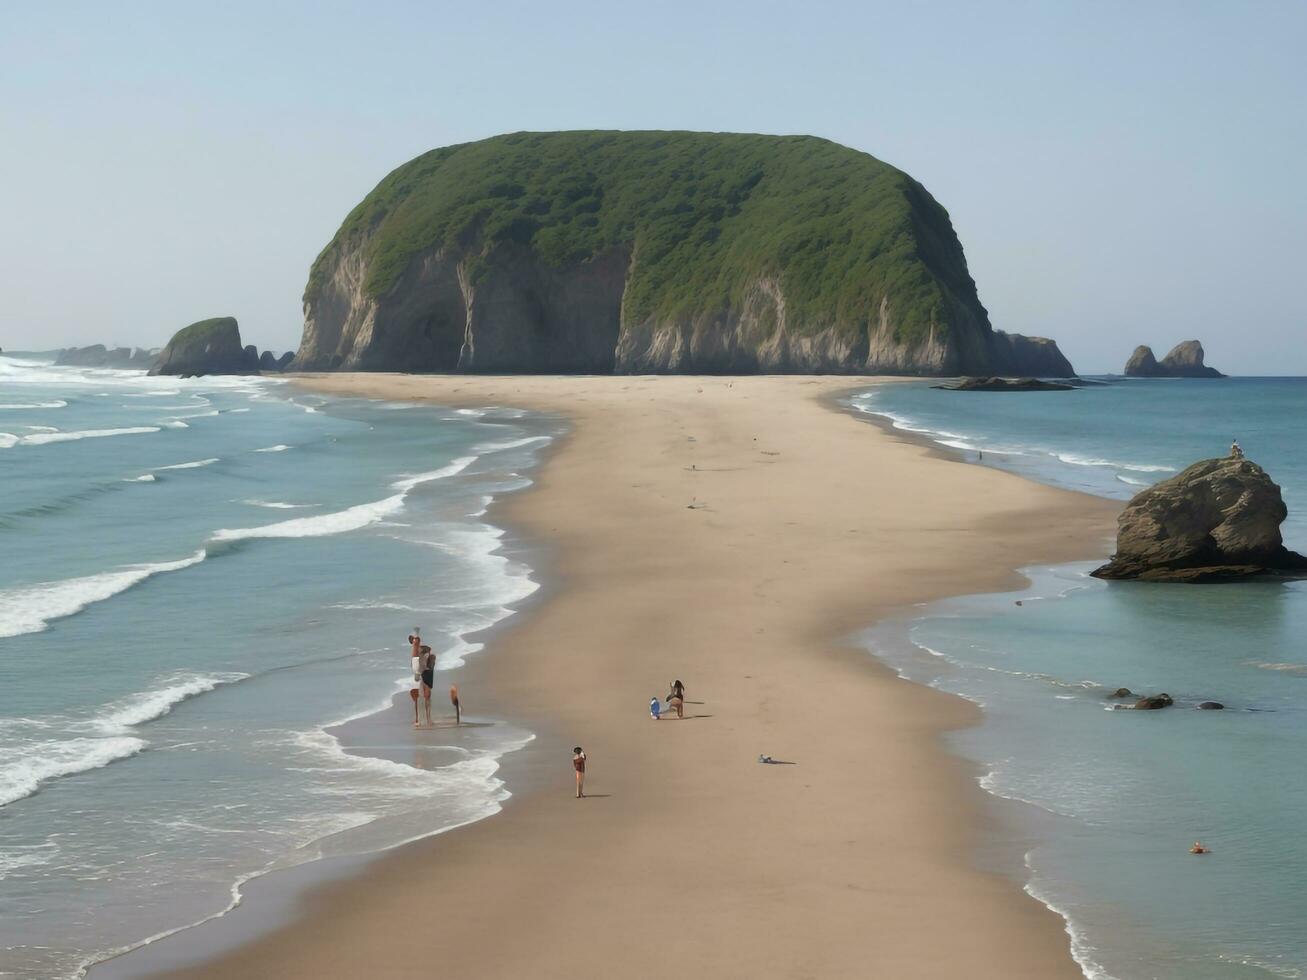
831	629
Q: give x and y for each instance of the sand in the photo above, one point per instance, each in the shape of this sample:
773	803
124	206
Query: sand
734	533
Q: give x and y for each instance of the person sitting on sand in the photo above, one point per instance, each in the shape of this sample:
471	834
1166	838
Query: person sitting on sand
578	763
1199	849
453	699
428	675
655	709
677	699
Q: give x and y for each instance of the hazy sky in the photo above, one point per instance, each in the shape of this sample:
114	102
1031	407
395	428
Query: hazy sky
1119	173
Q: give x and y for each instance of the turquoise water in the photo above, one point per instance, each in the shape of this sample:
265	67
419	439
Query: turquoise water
197	578
1120	795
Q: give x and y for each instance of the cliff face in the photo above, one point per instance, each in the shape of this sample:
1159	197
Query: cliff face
653	252
1185	360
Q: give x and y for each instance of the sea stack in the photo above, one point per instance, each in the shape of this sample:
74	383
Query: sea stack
1217	521
1185	360
653	252
207	347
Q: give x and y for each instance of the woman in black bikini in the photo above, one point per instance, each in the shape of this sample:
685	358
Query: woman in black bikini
677	699
428	678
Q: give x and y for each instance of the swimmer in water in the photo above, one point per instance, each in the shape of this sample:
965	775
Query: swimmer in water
1199	849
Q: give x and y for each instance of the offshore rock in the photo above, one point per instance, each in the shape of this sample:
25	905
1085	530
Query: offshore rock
1005	384
207	347
99	356
653	252
1218	520
1185	360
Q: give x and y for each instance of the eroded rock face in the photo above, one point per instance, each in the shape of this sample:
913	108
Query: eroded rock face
524	315
1218	520
207	347
1185	360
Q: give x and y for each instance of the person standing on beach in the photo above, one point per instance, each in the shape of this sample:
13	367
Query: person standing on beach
428	675
415	652
453	699
578	763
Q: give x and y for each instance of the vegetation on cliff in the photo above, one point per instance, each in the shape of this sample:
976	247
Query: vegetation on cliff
702	214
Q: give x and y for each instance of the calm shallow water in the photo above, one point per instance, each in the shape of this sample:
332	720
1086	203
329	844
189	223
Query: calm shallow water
196	579
1125	792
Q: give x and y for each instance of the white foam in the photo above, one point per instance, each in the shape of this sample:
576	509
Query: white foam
495	447
174	424
8	440
60	403
190	466
279	448
30	608
350	519
143	478
1077	460
149	705
277	504
43	438
1283	668
25	768
452	468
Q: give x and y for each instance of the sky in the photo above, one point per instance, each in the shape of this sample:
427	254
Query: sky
1118	173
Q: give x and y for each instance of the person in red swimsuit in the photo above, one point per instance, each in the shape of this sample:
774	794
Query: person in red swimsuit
578	763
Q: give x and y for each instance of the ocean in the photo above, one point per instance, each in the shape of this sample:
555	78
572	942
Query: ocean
198	580
1111	800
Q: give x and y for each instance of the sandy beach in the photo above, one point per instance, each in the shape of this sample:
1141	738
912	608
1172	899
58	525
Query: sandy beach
733	533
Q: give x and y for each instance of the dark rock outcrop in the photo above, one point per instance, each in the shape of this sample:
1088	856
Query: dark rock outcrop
1184	361
1122	692
99	356
1152	702
207	347
1005	384
1210	706
1218	520
653	253
283	362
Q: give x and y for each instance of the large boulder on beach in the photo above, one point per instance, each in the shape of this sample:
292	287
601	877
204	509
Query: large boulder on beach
1218	520
207	347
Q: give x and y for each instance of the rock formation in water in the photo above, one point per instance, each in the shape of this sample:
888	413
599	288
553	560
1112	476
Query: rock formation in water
1005	384
1218	520
99	356
207	347
1184	361
653	252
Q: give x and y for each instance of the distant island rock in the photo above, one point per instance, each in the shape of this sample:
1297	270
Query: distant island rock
99	356
1218	520
1184	361
1006	384
676	252
214	347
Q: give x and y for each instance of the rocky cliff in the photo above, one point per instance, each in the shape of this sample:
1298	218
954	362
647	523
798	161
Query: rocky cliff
653	252
1218	520
1184	361
207	347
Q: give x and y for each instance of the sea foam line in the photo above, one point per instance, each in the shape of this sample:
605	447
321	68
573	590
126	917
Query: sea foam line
42	438
22	771
60	403
149	705
30	609
196	464
349	519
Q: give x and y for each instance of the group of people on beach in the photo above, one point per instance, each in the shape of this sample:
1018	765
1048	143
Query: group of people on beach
423	662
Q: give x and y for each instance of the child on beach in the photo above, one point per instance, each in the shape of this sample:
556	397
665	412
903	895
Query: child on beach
453	699
655	708
578	763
